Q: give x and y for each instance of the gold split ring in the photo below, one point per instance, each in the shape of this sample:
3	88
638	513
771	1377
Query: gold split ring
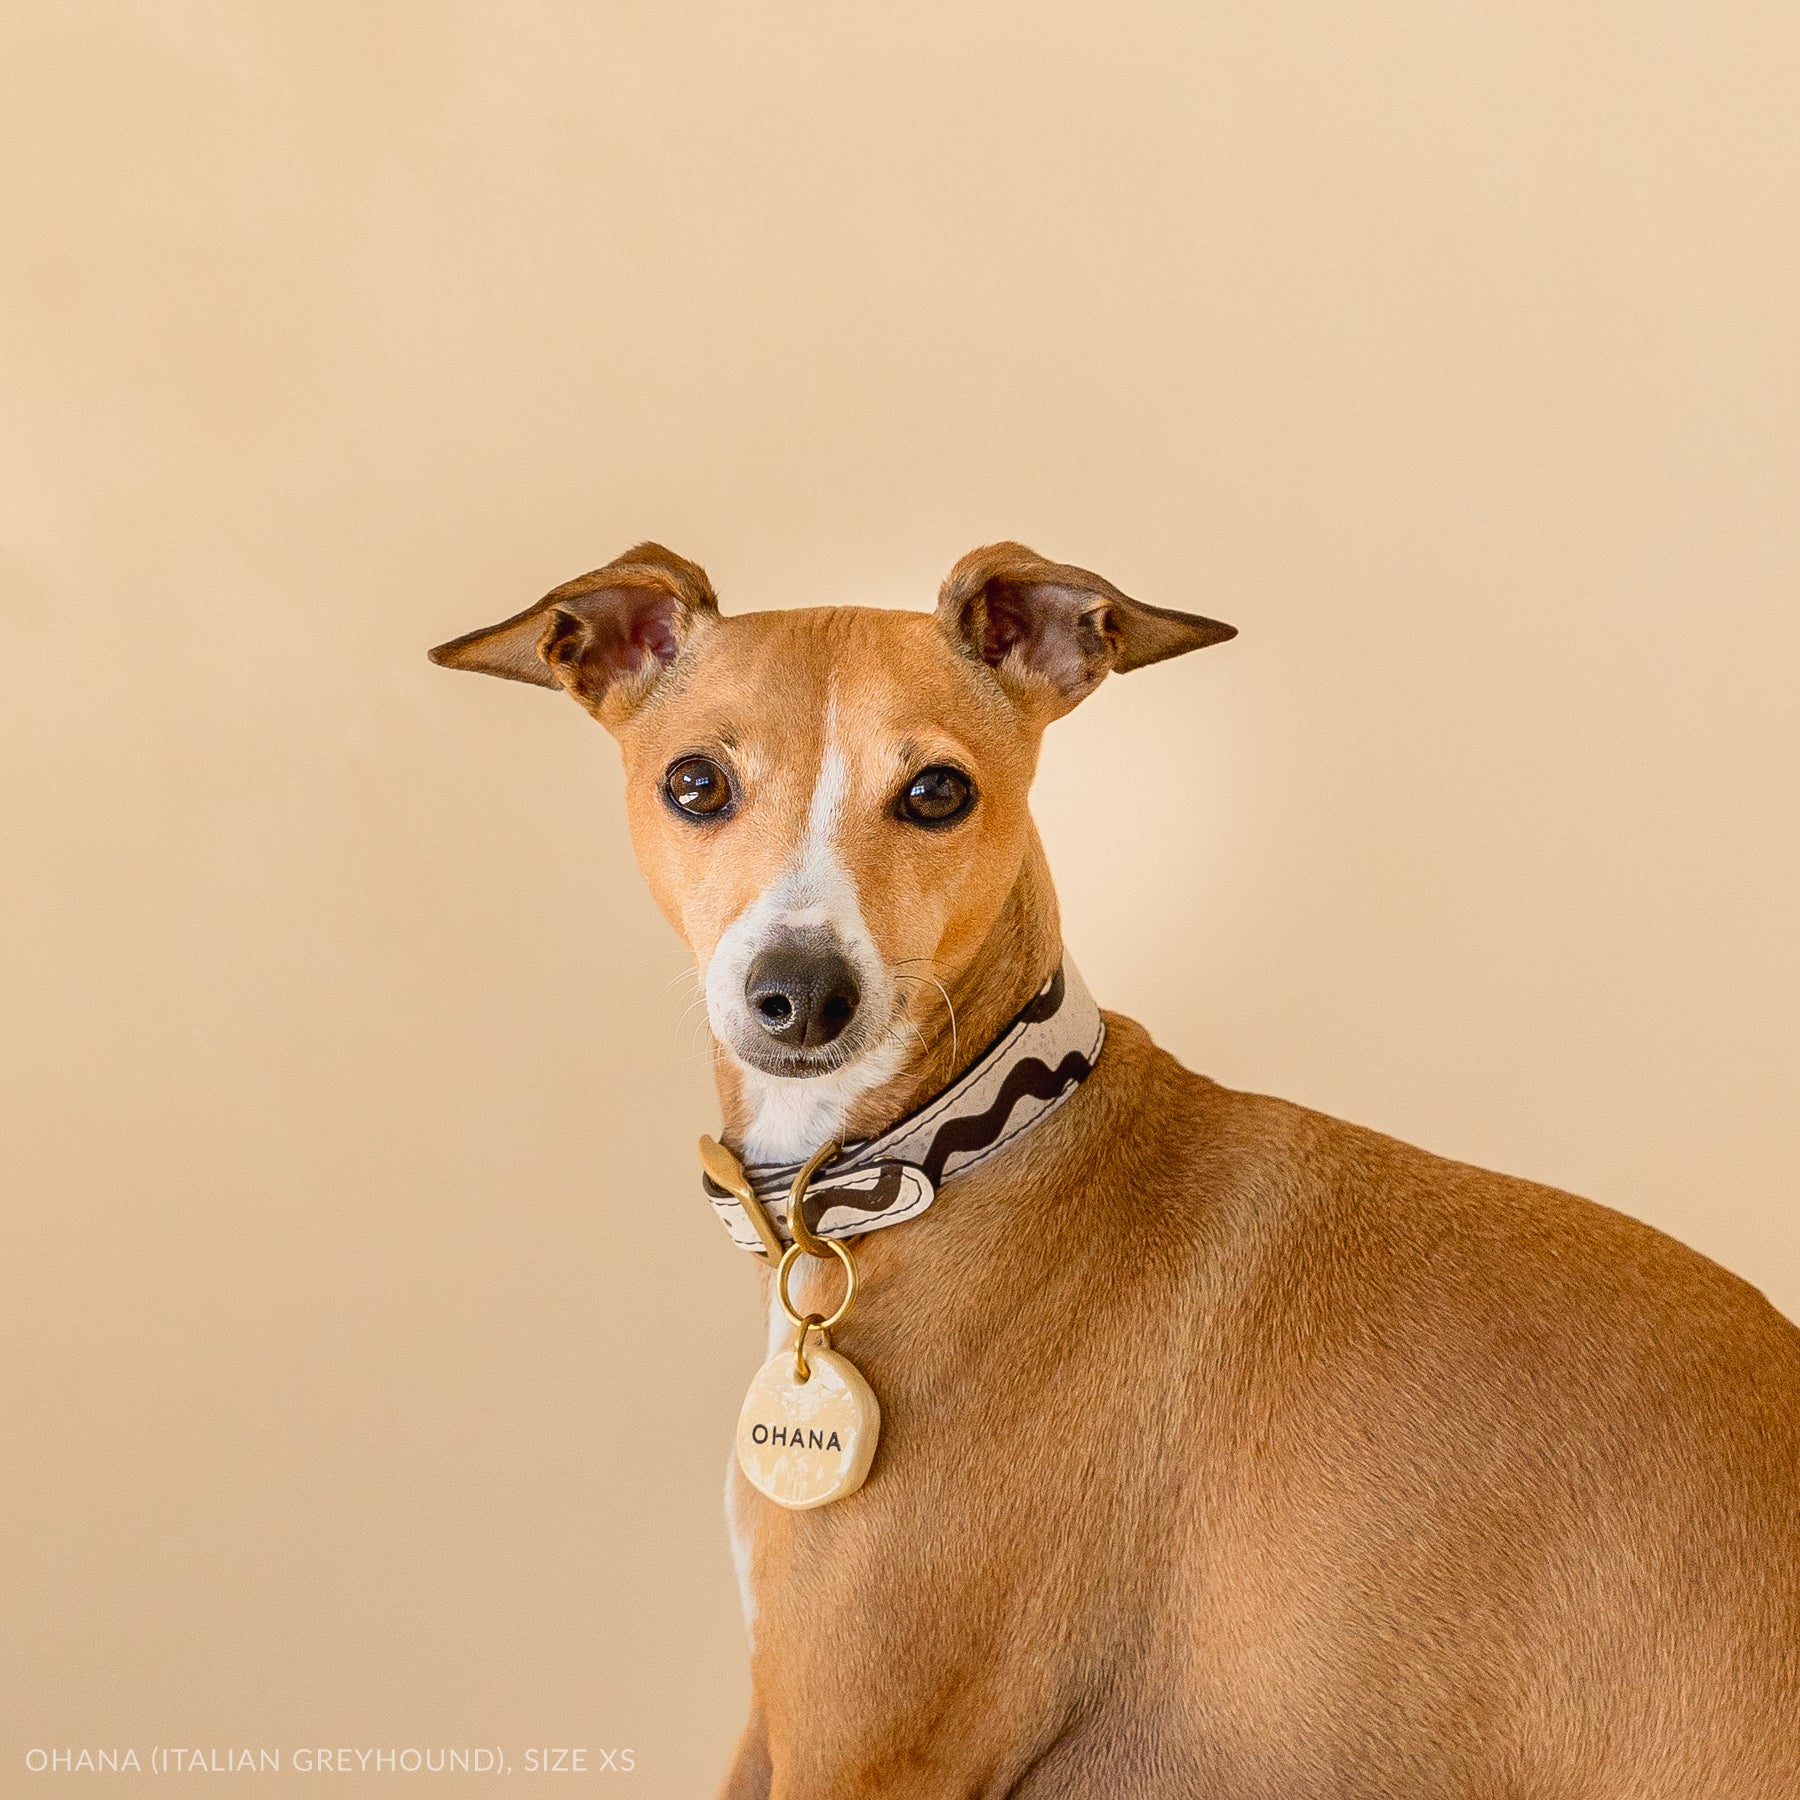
812	1322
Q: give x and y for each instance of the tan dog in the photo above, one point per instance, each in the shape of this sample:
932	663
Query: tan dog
1228	1450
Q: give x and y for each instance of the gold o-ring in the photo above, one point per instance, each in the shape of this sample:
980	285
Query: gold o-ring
797	1249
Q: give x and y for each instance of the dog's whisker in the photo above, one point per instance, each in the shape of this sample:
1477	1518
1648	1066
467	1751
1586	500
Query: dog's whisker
949	1004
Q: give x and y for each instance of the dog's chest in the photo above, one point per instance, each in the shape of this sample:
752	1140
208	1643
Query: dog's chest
1021	1462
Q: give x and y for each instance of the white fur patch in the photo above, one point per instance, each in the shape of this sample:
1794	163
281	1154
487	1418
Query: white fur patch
791	1116
737	1528
740	1550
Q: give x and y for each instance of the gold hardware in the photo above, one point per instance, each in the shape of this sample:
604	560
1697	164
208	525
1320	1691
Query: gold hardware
812	1322
807	1242
802	1233
803	1450
727	1172
785	1267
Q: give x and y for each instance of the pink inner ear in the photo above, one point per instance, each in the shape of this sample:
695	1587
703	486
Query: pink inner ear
1045	625
613	635
639	627
653	630
1007	624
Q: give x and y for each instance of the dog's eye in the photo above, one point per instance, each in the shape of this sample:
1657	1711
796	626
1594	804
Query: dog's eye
698	786
936	796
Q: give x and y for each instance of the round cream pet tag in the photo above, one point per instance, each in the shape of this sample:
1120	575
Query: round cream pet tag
805	1443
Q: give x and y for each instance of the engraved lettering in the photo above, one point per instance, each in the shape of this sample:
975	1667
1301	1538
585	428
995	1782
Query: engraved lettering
798	1437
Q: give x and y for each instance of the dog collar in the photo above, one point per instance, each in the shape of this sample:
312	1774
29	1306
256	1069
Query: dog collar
1034	1065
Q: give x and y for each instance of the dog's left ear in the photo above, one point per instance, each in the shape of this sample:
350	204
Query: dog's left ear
606	636
1051	632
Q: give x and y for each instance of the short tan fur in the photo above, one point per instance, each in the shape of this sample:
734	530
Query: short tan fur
1228	1449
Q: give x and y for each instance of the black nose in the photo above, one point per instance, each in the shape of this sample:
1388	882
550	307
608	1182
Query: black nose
802	998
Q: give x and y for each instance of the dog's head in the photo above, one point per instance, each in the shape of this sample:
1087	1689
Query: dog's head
828	804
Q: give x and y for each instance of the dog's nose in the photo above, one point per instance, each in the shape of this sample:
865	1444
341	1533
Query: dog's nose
801	998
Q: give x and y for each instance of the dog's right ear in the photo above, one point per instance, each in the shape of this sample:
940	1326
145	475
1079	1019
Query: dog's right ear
606	636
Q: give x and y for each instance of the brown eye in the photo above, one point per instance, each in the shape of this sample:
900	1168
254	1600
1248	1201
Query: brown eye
698	787
936	796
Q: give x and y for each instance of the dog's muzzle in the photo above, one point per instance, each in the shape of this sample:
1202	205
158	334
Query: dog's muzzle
803	996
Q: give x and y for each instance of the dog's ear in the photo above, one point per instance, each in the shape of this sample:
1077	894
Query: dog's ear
1052	633
606	636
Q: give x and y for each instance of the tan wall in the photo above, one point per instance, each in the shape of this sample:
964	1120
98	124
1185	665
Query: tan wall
370	1356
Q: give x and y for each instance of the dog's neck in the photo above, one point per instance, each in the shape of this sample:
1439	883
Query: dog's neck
941	1033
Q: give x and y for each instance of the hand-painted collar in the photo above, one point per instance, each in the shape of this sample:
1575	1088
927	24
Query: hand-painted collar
1034	1065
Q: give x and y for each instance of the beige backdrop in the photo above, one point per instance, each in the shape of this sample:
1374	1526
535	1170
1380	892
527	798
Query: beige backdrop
370	1357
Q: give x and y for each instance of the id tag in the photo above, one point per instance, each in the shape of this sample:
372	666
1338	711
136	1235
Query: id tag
807	1443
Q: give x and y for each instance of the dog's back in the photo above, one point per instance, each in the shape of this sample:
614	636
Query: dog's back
1471	1486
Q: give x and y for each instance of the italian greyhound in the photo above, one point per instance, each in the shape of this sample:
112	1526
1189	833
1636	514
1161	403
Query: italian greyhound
1226	1449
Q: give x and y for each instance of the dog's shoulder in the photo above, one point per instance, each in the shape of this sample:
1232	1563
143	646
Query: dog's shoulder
1335	1202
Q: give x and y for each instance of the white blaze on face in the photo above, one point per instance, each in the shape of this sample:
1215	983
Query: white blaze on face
815	891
